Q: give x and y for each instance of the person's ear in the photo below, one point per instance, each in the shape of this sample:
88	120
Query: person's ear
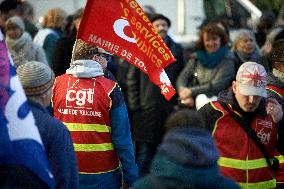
234	86
46	98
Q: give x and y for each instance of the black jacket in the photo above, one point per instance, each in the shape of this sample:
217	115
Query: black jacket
19	177
62	54
149	107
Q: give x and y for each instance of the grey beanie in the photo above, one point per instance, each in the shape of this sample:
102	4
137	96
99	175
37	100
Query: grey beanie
36	77
17	21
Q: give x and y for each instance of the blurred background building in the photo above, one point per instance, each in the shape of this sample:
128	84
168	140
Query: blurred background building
186	15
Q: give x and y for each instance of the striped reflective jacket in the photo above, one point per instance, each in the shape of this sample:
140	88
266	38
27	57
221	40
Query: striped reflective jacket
83	104
240	158
280	173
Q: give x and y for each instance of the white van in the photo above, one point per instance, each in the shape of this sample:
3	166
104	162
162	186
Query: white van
188	15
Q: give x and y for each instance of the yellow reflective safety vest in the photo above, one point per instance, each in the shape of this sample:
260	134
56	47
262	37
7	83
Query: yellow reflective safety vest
83	104
240	158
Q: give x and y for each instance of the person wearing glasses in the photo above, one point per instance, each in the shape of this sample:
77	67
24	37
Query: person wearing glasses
93	109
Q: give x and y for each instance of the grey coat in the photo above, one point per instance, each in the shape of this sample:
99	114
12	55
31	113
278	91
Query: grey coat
209	81
24	49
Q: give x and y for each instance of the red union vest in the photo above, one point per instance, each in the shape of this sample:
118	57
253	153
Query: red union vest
83	104
240	158
280	173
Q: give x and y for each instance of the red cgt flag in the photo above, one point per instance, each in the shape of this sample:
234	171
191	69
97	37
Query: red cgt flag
122	28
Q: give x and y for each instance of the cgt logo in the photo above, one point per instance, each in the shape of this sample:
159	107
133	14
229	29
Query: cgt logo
78	97
119	26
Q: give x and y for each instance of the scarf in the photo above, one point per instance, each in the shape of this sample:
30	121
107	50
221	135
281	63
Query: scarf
254	56
278	74
19	44
211	60
85	69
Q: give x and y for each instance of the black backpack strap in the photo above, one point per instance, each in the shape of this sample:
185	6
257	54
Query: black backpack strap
251	133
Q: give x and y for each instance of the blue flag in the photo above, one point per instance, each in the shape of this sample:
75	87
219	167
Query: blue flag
20	141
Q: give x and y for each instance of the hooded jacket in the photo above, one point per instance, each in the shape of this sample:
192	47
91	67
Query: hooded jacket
187	159
120	131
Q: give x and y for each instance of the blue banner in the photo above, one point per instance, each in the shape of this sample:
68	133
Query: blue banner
20	141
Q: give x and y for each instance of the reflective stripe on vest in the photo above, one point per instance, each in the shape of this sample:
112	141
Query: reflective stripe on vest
86	173
85	112
93	147
280	158
280	172
242	164
88	127
250	173
259	185
86	149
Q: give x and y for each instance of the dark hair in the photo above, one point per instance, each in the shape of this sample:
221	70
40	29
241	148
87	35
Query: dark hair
155	17
280	35
217	21
8	5
211	29
69	26
25	10
149	9
184	118
267	20
277	53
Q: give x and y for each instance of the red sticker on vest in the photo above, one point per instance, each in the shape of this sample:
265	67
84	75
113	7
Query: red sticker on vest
264	130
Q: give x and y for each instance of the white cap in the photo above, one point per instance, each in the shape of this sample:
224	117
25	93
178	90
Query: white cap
251	79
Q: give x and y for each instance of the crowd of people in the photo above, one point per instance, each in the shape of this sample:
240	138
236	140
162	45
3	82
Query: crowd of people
105	125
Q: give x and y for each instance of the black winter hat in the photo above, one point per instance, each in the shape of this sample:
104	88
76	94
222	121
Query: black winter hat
155	17
277	53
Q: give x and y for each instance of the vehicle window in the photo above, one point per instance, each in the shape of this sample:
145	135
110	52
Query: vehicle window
230	10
